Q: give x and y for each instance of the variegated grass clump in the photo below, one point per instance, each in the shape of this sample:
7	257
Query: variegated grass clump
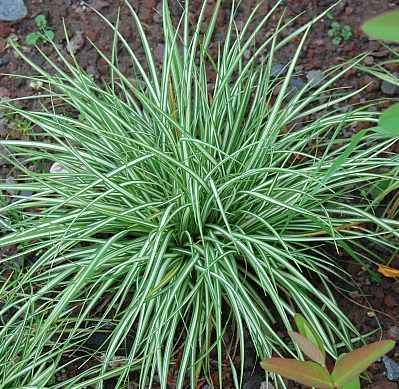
180	217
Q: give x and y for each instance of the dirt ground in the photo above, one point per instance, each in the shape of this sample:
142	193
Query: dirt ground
377	305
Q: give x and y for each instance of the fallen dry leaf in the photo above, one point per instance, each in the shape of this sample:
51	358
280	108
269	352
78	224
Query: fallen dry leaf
387	271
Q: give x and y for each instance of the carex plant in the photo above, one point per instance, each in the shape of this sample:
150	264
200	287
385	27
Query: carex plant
177	216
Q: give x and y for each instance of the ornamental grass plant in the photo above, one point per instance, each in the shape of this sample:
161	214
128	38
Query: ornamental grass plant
179	216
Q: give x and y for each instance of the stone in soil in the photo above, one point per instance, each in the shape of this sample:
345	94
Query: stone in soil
315	77
12	10
57	168
26	194
392	368
389	88
277	69
297	84
369	60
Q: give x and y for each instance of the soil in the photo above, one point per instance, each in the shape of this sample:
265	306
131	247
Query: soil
377	305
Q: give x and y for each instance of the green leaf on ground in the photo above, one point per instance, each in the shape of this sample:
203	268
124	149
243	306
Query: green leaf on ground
32	38
40	21
384	27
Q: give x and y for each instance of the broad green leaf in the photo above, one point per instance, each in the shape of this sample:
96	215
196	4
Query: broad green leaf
32	38
306	330
383	27
40	21
308	348
351	365
306	373
355	384
389	122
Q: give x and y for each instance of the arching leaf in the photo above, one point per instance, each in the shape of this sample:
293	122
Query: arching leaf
351	365
306	373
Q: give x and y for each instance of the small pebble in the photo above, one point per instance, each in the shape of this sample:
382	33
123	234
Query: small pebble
389	88
315	77
369	60
12	10
277	69
392	368
57	168
26	194
266	385
371	314
36	85
297	84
